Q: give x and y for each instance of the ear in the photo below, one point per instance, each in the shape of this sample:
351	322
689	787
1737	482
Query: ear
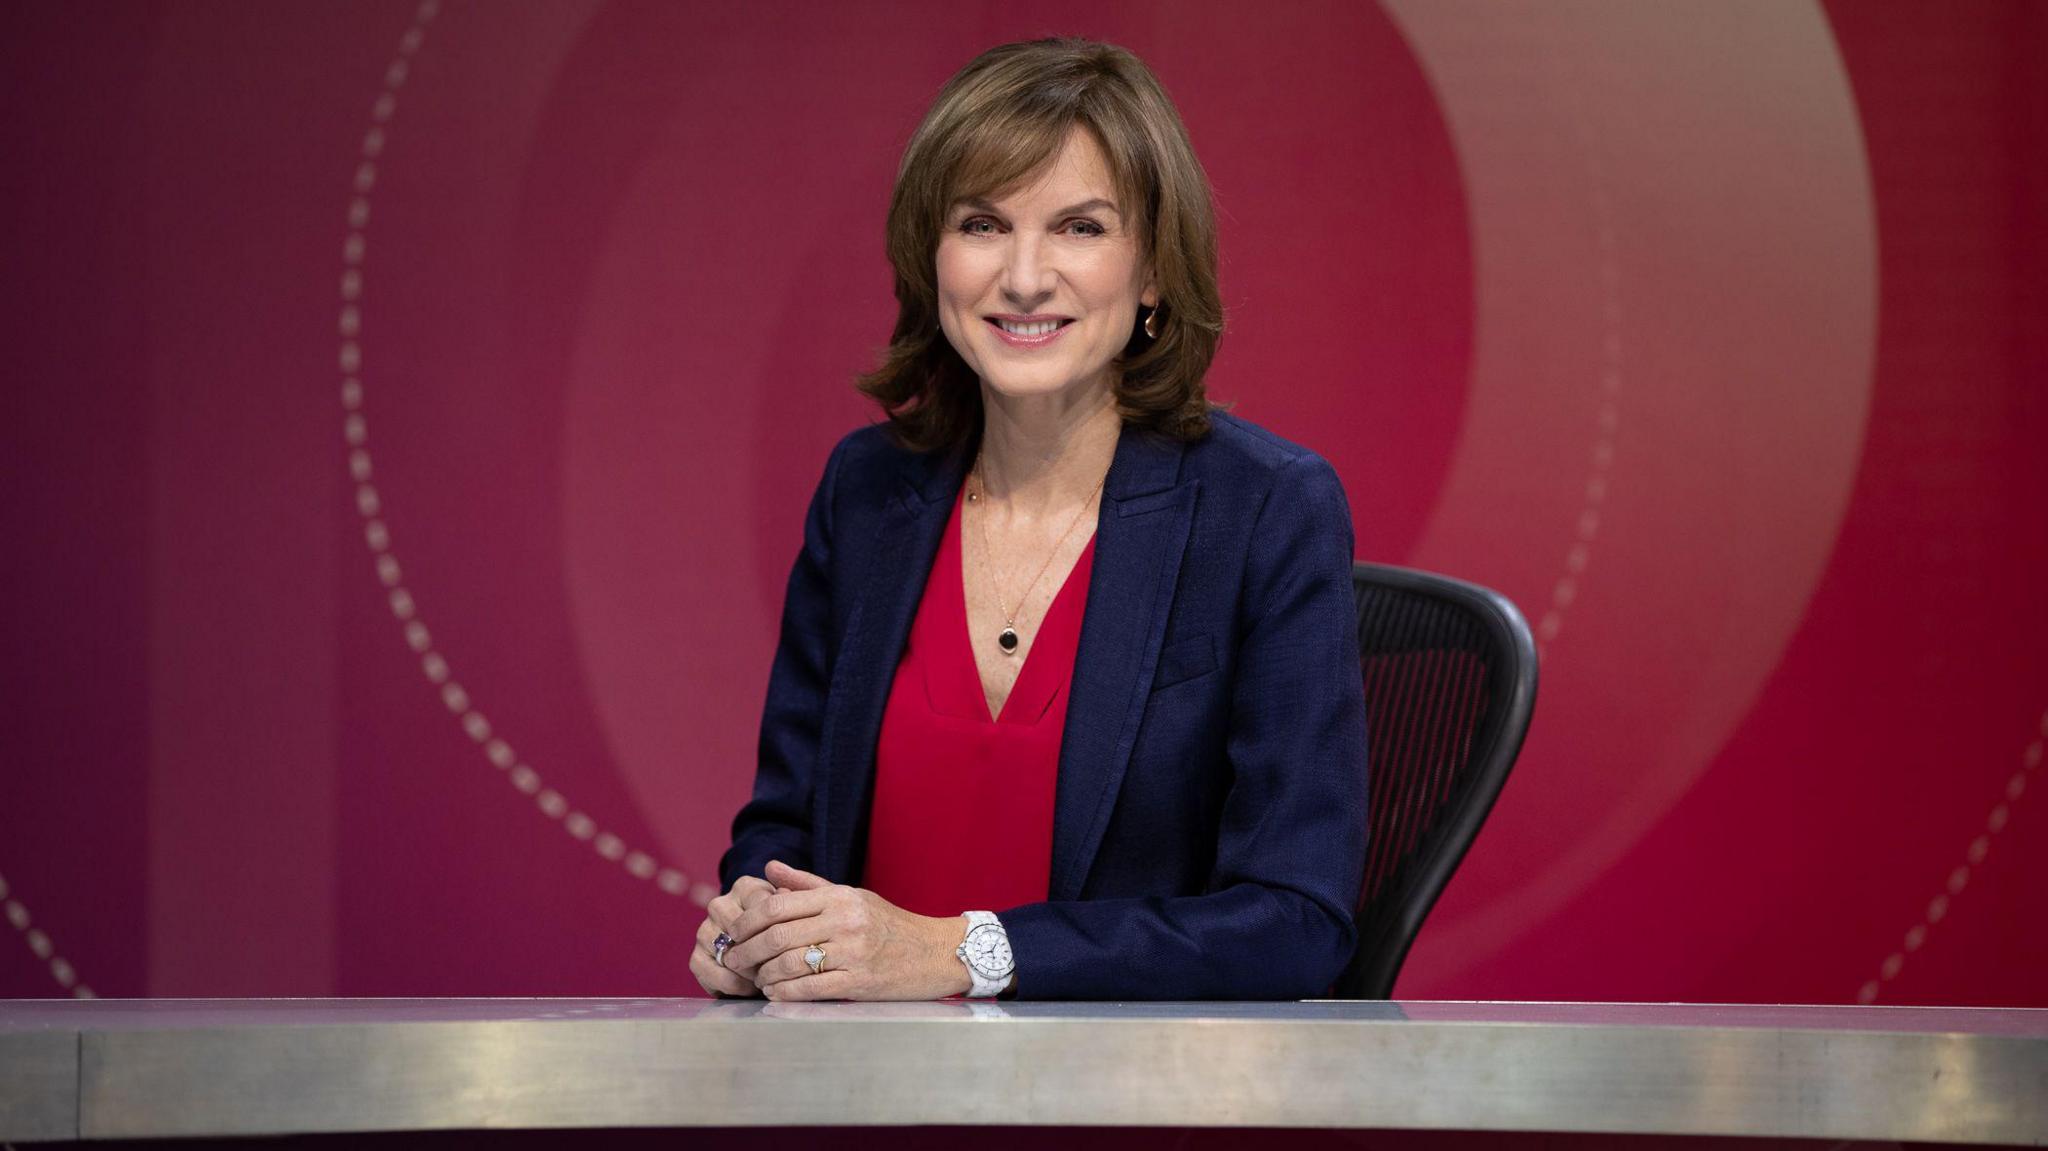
1150	296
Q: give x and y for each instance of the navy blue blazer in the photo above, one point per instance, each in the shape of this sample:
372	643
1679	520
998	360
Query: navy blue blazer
1209	818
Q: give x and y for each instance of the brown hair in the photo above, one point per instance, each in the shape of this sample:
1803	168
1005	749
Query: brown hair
1000	119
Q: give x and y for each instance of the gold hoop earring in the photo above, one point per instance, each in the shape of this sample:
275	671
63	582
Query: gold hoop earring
1151	318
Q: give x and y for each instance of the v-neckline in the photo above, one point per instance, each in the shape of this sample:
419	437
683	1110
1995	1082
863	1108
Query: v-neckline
1039	691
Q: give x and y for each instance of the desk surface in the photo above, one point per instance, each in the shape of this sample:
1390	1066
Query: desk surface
136	1068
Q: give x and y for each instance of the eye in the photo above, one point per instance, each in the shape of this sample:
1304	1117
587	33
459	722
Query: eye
973	226
1088	228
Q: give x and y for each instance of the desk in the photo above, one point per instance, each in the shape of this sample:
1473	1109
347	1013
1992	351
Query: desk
140	1068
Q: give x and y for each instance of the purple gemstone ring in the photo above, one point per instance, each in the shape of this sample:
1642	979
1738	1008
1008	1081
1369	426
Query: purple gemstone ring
718	947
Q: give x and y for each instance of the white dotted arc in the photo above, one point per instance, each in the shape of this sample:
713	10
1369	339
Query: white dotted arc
1959	876
40	942
1586	527
377	533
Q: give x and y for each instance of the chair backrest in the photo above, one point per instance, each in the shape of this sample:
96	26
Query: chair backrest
1450	685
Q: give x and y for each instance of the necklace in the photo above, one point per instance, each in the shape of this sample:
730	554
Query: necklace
1008	639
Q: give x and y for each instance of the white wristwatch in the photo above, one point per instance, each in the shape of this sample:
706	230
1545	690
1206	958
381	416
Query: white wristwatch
986	952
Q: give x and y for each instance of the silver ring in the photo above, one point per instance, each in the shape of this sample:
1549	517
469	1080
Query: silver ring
718	947
815	957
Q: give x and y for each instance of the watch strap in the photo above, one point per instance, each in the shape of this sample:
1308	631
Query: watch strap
988	967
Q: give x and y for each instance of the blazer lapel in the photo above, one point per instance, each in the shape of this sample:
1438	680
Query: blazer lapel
1141	534
876	631
1140	537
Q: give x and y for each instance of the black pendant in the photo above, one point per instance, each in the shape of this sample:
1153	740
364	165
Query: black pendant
1008	640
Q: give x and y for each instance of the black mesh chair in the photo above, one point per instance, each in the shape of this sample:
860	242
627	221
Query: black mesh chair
1450	684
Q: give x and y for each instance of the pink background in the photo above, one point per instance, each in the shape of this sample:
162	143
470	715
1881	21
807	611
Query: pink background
410	413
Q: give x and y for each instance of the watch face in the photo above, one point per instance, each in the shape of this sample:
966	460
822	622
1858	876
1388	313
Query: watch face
988	950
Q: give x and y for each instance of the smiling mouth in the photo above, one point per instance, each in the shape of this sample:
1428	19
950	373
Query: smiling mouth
1028	336
1031	330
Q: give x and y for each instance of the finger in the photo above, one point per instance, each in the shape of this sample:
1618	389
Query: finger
707	942
750	890
746	958
723	910
787	965
777	908
717	980
744	890
773	940
791	964
830	985
783	875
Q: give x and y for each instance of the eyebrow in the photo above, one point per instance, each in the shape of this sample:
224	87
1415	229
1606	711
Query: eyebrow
981	205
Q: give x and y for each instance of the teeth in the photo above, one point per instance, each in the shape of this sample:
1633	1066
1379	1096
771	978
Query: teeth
1038	329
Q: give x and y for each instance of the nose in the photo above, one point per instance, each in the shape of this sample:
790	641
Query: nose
1027	274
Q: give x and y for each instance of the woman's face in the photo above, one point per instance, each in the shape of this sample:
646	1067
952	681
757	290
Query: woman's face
1039	288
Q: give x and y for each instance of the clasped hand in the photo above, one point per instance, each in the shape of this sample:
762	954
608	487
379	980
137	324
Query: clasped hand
872	948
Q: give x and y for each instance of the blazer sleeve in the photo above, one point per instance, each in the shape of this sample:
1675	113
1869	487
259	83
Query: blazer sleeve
776	822
1276	920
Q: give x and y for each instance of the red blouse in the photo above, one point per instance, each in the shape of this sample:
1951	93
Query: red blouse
962	815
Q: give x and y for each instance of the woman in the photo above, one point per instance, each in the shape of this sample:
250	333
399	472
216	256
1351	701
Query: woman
1066	703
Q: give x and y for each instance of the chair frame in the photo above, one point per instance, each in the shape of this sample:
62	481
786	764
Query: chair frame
1511	684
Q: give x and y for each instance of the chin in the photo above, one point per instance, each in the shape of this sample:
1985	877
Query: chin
1044	379
1015	388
